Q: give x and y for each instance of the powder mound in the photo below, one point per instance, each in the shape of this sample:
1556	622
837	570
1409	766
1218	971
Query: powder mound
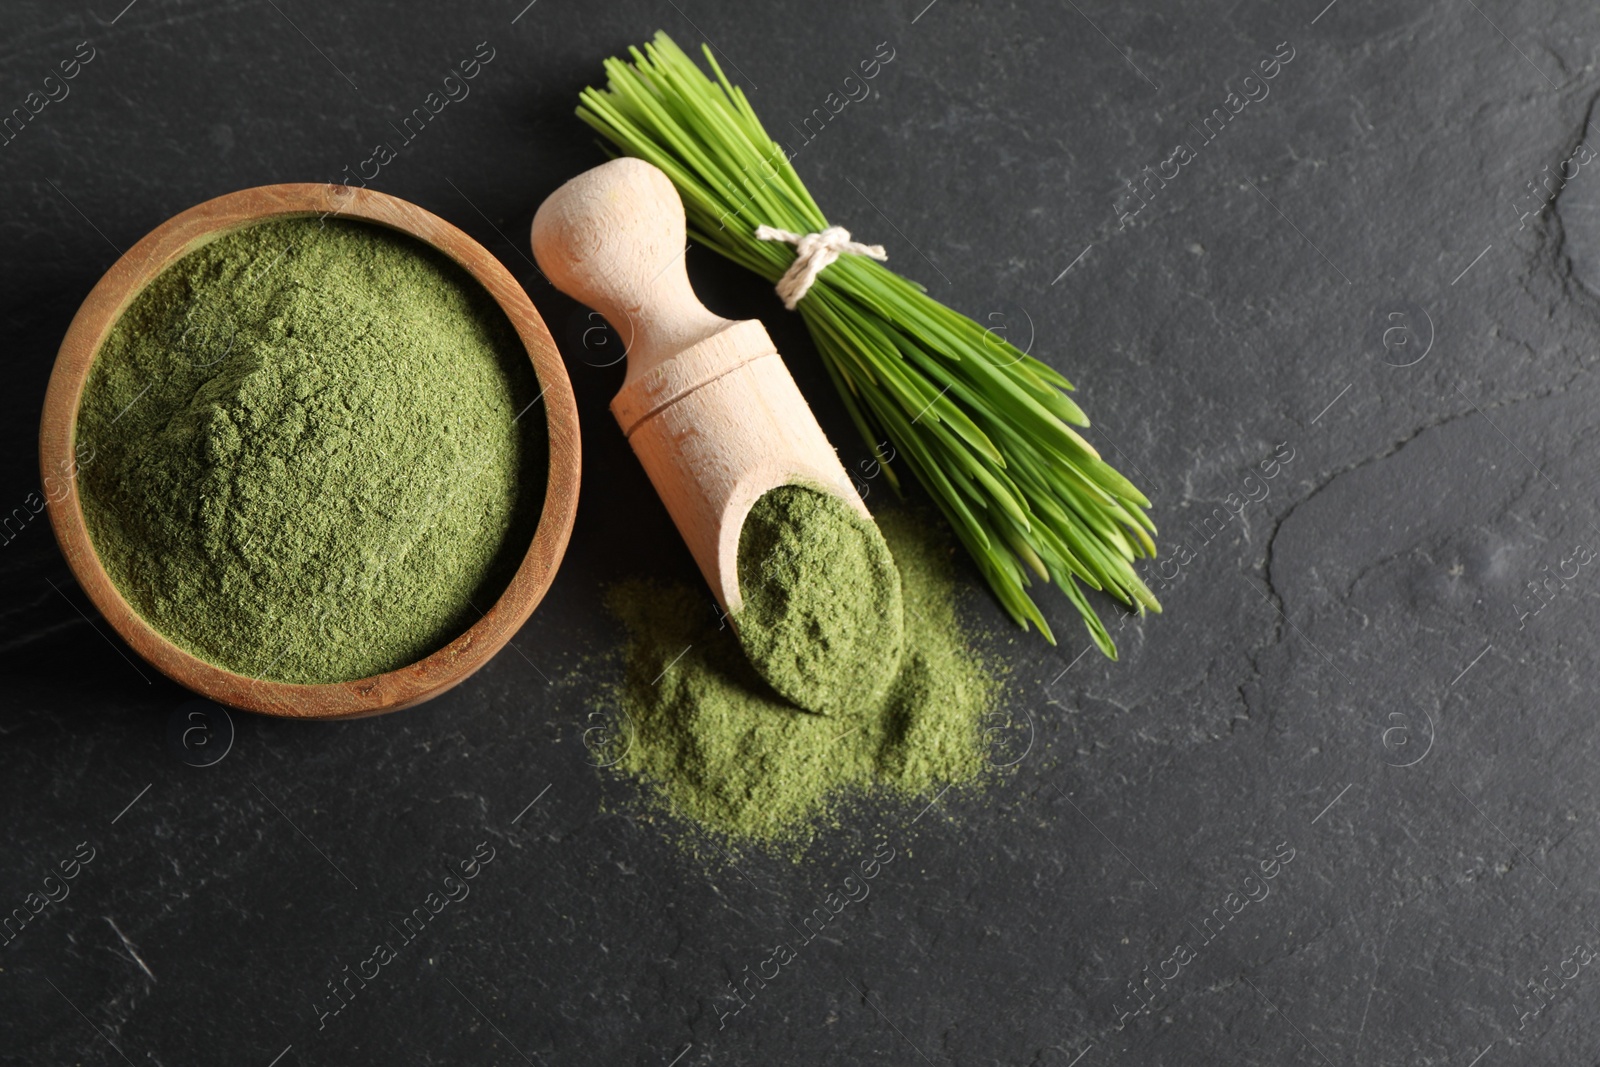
822	619
718	747
309	465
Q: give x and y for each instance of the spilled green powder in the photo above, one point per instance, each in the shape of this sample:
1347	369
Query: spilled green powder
309	462
822	617
714	743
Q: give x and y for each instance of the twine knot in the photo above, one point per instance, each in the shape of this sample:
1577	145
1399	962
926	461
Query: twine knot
813	251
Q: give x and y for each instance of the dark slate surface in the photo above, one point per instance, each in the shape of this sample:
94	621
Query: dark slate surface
1355	273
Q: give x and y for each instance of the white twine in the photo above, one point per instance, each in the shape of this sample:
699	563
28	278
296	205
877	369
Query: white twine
813	251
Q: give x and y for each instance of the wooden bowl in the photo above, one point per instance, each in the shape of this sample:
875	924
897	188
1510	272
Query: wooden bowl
379	693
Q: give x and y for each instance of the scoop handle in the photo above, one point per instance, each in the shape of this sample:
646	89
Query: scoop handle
613	238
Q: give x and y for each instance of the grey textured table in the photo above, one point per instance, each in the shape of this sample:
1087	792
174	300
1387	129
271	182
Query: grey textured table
1361	275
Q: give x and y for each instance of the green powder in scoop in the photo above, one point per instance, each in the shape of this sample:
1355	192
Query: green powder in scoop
693	720
309	460
822	616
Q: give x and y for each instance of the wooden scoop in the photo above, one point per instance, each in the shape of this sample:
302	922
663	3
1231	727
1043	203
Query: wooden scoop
708	404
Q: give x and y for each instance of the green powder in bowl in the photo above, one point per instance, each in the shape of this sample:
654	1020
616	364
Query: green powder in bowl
317	452
822	616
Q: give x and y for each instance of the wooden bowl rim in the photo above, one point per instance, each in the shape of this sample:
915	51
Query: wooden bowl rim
131	274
